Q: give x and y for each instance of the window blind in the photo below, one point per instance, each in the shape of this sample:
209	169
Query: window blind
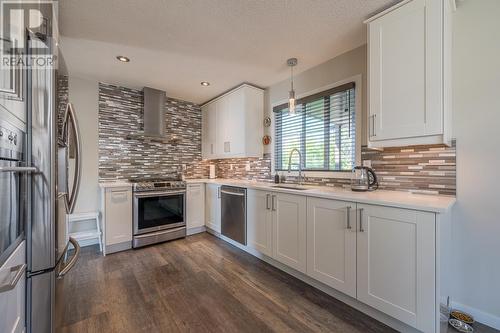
323	129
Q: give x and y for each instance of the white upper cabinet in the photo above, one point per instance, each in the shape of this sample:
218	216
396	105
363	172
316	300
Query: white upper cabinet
208	130
232	124
409	88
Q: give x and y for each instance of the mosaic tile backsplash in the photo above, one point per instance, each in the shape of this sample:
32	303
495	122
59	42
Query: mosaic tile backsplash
122	156
420	169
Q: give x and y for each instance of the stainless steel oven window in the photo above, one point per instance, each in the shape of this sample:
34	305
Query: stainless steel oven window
155	211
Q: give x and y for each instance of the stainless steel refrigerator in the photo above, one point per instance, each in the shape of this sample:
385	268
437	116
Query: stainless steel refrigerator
51	195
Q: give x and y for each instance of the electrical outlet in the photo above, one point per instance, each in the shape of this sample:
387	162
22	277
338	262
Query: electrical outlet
184	167
367	163
230	167
247	166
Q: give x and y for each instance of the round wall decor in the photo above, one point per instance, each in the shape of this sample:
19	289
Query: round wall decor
267	121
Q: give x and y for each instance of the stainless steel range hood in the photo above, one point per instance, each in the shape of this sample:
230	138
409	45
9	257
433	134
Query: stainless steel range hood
154	113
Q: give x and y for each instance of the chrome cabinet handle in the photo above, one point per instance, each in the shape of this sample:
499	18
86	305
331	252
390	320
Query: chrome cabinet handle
373	119
18	169
273	203
63	268
218	192
361	220
268	196
19	271
348	212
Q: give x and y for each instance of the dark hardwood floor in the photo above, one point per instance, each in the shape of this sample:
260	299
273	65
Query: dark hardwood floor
197	284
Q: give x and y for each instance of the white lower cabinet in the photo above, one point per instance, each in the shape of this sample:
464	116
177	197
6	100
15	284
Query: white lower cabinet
12	301
260	221
384	257
396	264
289	230
195	206
331	243
116	210
212	207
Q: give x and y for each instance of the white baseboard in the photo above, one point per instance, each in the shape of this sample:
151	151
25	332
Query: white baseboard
479	316
195	230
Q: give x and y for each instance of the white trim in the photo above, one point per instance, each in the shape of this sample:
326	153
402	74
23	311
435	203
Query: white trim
232	90
358	82
388	10
480	316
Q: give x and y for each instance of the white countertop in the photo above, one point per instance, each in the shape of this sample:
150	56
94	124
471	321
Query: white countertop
399	199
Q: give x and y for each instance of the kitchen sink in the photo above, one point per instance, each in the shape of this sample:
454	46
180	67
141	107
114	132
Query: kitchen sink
292	187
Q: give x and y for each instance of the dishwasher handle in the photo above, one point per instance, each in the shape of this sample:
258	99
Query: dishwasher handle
233	193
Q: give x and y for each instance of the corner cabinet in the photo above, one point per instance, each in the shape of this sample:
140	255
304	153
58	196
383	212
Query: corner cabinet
409	88
232	124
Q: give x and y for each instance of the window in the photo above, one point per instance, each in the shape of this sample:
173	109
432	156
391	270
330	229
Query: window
323	129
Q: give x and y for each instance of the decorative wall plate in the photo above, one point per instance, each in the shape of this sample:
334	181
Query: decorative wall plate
266	139
267	121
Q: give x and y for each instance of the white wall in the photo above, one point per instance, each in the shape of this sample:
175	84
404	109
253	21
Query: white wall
476	217
84	94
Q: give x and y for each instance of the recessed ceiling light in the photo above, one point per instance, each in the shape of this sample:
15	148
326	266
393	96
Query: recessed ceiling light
205	83
122	58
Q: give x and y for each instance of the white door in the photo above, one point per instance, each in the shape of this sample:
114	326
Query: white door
195	206
396	264
331	243
12	302
289	230
213	207
405	72
259	221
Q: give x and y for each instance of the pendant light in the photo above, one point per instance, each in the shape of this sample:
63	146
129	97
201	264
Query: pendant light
292	62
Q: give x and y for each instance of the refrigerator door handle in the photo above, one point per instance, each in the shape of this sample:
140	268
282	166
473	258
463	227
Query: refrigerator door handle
71	120
63	267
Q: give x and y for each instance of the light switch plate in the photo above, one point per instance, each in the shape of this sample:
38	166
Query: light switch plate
247	166
367	163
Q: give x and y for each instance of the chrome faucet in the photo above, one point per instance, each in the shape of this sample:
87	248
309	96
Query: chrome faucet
300	163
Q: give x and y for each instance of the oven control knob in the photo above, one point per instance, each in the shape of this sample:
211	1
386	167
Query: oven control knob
1	133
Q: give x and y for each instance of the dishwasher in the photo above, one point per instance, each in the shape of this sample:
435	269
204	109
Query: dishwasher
234	213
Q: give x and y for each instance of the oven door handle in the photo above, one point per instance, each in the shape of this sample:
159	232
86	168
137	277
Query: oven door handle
157	194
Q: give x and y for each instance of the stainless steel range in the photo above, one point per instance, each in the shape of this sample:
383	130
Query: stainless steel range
159	210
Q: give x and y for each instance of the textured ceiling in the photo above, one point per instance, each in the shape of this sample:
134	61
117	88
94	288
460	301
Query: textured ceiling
176	44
